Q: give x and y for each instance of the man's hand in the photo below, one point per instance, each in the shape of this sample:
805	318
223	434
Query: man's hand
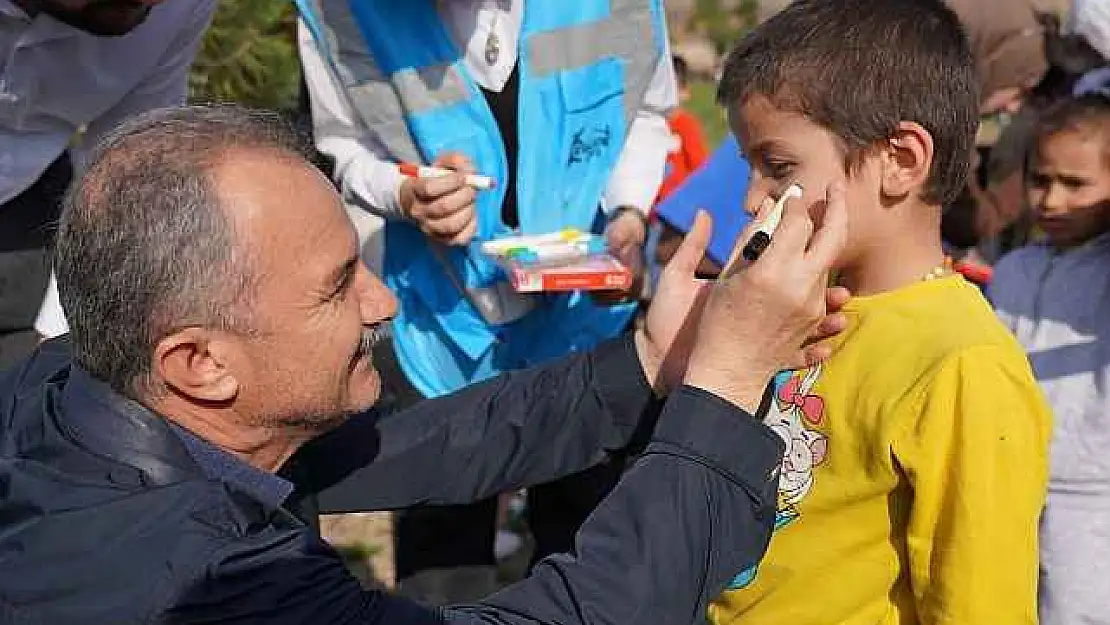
625	236
765	317
667	335
443	208
669	241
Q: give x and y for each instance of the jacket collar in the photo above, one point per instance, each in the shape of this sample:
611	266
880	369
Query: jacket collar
118	428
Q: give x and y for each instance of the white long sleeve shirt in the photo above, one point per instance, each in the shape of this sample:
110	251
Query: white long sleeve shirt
371	181
55	80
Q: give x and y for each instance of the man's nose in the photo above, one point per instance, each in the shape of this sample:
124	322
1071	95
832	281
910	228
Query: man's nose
376	301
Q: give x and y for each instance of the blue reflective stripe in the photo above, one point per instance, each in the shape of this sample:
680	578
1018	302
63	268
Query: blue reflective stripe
540	16
312	20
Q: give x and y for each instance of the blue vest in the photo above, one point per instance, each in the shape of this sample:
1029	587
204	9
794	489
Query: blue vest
584	67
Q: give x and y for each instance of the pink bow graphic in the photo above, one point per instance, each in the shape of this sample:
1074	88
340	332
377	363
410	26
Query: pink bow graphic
811	406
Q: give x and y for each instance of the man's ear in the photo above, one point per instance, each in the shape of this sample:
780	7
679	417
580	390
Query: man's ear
194	362
908	159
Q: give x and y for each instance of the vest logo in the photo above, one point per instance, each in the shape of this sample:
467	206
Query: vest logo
588	143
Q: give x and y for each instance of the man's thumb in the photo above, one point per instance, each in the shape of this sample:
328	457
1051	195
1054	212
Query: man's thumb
692	250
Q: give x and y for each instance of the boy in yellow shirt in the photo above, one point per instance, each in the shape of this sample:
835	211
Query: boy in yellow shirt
916	456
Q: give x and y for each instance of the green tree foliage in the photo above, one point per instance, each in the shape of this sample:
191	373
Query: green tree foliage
249	55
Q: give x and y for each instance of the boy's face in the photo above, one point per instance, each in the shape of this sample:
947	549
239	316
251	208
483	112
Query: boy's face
783	147
1069	186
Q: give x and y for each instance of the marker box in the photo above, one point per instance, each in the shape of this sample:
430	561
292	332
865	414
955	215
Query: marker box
596	273
563	261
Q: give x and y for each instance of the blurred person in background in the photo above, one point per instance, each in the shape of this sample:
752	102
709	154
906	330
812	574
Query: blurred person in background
690	149
1090	19
1054	295
68	66
1027	61
565	105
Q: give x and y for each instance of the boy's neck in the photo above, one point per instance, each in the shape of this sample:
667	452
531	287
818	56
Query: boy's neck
909	252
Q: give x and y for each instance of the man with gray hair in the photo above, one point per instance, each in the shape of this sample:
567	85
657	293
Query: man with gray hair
221	322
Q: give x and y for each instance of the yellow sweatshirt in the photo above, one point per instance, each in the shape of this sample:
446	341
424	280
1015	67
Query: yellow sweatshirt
914	474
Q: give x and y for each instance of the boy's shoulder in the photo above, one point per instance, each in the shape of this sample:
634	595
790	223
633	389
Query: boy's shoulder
936	320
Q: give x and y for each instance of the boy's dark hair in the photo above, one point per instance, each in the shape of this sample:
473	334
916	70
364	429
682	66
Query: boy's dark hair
858	68
1088	114
681	70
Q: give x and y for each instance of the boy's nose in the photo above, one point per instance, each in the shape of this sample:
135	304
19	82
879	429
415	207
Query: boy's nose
1054	200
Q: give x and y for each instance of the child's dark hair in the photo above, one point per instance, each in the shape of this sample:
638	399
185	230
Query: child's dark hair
681	70
1087	114
859	68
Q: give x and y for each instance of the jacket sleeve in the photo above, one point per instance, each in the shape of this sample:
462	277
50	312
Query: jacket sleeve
693	511
285	577
520	429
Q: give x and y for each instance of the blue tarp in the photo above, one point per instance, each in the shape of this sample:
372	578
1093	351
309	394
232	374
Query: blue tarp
719	187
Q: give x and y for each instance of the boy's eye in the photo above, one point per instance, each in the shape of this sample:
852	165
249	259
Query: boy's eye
778	169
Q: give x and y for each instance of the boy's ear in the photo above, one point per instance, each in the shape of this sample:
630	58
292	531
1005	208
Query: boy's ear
908	159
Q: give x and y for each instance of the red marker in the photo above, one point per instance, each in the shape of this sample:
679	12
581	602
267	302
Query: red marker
420	171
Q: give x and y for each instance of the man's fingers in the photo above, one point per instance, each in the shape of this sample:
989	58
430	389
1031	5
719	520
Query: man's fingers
794	231
836	297
829	240
735	261
815	354
830	326
689	254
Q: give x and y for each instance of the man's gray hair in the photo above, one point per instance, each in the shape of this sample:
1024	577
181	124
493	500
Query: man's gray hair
144	247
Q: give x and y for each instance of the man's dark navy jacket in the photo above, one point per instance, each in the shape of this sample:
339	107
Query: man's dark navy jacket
106	518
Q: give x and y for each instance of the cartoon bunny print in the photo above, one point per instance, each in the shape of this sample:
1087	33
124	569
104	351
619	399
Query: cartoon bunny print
792	414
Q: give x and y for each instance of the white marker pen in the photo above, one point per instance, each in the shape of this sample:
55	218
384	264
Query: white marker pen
761	238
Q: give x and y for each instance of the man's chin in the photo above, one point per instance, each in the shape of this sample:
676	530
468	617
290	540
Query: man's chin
366	388
104	20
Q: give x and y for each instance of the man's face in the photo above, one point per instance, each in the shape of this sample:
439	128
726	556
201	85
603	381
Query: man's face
1069	186
316	310
104	18
784	147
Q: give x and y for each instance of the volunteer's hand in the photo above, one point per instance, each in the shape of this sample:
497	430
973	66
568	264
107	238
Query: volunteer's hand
443	208
625	236
765	318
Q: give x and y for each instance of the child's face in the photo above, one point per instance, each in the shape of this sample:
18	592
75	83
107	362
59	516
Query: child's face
1069	186
784	147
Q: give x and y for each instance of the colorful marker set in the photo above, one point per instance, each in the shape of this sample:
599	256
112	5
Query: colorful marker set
570	260
563	247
